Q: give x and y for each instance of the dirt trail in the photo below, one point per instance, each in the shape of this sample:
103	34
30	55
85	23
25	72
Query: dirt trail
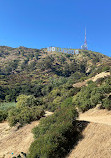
16	141
96	142
97	116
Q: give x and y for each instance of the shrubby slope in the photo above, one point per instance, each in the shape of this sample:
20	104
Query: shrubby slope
40	81
36	72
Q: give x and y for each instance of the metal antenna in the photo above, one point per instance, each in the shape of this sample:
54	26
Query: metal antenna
84	47
85	42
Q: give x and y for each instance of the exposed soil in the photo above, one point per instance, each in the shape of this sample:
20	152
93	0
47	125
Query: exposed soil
16	141
96	142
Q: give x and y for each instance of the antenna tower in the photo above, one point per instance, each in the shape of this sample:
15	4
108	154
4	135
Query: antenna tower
85	38
85	43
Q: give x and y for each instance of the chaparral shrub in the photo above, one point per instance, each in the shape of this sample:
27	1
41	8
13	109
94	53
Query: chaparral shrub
54	134
24	115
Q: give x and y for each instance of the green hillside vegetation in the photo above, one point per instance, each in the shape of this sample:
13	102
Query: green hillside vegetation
26	111
33	80
33	71
93	94
53	136
46	76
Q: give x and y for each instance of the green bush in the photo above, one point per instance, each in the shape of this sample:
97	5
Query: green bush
91	95
54	134
13	117
3	115
44	125
82	99
24	115
107	103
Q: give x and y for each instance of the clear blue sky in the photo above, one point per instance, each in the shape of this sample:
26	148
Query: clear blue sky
43	23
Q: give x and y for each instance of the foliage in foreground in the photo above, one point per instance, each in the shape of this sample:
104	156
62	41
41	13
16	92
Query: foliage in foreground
25	111
24	115
54	134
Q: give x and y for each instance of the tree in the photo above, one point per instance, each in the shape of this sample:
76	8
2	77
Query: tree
26	100
24	115
107	103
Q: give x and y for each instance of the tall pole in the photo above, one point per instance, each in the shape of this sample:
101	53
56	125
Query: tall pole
85	38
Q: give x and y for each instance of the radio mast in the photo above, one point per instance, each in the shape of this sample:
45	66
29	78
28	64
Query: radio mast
84	47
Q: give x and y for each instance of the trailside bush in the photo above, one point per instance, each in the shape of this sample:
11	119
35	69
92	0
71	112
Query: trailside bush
53	135
13	116
107	103
82	99
44	125
58	117
24	115
96	96
3	115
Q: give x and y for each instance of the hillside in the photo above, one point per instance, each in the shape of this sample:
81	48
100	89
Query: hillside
96	141
14	140
25	70
33	81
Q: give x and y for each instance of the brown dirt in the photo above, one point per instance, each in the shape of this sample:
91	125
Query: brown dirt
97	116
16	141
96	142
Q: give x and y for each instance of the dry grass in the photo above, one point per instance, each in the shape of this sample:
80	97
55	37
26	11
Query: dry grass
16	141
12	141
96	142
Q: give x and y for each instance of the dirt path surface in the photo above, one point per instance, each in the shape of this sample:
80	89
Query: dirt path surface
97	116
16	141
96	141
